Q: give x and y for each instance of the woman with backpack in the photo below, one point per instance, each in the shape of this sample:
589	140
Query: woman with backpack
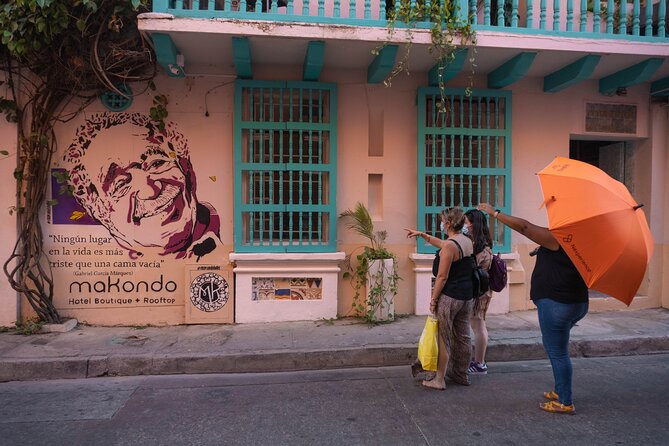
452	297
476	227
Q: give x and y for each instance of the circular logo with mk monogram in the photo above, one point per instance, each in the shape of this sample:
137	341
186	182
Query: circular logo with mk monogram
209	292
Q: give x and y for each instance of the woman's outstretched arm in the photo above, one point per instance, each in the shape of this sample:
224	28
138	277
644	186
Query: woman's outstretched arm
434	241
538	234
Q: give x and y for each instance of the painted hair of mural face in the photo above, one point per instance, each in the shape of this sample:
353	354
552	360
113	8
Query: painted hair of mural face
136	180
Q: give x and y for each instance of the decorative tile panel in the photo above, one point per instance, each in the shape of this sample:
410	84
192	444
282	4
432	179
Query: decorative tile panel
286	288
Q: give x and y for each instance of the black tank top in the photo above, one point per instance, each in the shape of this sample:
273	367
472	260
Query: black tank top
459	282
555	277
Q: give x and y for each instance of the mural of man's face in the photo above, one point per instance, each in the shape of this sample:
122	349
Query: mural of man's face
144	187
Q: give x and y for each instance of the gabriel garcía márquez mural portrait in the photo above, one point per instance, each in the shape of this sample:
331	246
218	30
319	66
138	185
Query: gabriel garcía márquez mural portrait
138	182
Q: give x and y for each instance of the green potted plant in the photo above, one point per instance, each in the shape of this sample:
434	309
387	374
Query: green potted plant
374	269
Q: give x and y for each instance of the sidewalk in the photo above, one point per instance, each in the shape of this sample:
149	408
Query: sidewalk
90	351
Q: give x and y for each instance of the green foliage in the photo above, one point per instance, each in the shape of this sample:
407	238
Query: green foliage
604	4
56	53
62	178
383	282
326	321
75	47
29	327
32	25
448	33
619	14
360	221
158	112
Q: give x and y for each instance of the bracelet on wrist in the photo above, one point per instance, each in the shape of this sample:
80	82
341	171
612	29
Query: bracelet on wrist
497	211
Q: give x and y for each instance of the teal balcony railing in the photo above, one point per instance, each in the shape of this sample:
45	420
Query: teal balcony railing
610	19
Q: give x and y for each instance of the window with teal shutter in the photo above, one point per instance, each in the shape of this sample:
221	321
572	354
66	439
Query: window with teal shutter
285	166
464	156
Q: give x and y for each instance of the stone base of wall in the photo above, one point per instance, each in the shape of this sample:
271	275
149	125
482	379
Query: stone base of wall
286	287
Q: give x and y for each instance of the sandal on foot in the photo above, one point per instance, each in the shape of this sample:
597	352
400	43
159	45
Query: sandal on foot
551	395
557	407
429	375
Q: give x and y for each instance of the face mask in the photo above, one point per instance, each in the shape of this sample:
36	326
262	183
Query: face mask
465	230
442	226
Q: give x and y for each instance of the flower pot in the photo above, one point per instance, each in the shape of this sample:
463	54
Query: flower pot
380	296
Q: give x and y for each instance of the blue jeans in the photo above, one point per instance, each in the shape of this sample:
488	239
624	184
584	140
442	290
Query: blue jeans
556	320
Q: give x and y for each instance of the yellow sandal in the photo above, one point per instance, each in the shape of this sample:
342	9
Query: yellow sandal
551	395
557	407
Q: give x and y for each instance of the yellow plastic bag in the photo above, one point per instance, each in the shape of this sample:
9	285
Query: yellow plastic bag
428	347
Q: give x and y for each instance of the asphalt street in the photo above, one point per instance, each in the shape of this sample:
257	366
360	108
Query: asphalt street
619	400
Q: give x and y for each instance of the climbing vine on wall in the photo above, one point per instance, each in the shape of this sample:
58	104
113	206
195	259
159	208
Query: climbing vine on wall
58	56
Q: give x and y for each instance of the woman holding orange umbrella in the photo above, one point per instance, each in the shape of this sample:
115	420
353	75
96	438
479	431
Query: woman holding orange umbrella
561	297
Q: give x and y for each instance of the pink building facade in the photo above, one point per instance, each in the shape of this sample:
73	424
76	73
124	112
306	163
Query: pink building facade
279	121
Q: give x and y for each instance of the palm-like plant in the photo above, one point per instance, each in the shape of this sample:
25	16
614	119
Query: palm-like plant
360	221
381	282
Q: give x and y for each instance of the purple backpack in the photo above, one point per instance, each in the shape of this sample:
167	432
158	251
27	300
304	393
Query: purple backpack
497	273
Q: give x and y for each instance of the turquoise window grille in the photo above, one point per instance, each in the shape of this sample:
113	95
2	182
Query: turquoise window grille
464	156
285	166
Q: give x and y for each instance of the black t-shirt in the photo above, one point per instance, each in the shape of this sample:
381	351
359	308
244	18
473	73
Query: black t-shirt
459	283
555	277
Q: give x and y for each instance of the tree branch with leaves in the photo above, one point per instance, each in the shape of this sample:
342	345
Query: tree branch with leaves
58	56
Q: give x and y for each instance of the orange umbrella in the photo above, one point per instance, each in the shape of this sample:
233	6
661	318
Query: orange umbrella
599	225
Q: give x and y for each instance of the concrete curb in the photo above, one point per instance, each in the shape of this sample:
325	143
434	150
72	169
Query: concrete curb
273	361
621	347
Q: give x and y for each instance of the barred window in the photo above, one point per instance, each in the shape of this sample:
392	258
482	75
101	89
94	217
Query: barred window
285	167
464	156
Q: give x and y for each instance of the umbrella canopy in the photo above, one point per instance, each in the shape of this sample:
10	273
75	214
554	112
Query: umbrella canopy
599	225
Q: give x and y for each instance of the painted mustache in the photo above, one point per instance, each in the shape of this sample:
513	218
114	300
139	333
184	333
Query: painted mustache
152	206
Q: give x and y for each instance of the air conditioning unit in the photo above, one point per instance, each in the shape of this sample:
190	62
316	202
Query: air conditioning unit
209	294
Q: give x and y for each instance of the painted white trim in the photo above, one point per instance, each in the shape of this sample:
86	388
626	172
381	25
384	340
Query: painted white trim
485	39
321	265
287	257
